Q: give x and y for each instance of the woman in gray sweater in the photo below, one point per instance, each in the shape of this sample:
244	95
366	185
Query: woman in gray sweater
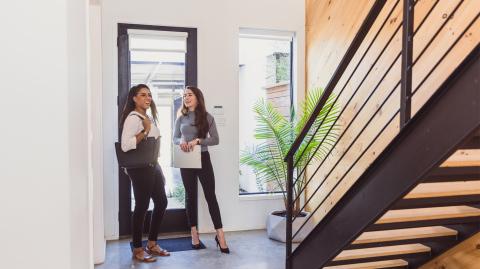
191	128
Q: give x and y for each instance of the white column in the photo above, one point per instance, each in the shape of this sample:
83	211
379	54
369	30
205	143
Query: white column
95	130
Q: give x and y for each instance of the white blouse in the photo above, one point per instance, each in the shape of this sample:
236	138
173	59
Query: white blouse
133	126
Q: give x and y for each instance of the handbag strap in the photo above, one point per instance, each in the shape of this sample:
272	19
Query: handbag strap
137	116
141	118
133	115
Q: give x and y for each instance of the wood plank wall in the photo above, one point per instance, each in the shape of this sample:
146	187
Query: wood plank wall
330	27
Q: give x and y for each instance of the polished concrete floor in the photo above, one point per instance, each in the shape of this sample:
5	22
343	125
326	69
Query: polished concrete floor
249	250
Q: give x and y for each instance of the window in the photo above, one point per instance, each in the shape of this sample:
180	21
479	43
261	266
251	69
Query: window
265	59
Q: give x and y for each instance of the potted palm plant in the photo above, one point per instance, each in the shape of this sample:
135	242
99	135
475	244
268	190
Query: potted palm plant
275	134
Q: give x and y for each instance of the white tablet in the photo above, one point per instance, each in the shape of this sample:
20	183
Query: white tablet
191	159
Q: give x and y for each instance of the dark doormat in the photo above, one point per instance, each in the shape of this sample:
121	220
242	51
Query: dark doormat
174	244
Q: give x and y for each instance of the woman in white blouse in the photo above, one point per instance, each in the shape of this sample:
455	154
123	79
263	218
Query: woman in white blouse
148	182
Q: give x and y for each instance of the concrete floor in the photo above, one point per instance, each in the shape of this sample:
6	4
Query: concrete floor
249	250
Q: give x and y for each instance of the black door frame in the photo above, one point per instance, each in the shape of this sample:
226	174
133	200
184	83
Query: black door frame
174	219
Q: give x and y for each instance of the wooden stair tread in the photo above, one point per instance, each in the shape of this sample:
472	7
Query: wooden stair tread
430	213
404	234
371	265
381	252
444	189
464	157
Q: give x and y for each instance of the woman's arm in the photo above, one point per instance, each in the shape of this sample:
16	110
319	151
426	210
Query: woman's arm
177	134
213	138
130	138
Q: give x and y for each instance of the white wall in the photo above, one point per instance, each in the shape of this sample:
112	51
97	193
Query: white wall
44	199
218	23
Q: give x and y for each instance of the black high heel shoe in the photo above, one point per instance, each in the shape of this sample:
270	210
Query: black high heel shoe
197	246
223	250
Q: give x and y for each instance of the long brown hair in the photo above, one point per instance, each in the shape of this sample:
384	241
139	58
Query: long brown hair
200	112
130	104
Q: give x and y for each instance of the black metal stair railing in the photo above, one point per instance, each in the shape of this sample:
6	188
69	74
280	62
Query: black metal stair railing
453	107
403	112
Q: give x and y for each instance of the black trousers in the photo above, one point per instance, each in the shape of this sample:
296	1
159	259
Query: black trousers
207	179
147	183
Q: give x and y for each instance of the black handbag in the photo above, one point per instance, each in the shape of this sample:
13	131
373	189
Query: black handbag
146	154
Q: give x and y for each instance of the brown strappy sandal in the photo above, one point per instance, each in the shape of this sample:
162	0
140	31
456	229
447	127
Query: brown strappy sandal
157	251
145	258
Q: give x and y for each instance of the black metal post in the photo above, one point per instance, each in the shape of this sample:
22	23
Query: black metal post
407	52
288	247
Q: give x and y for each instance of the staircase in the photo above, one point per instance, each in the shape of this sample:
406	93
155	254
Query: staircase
420	197
437	214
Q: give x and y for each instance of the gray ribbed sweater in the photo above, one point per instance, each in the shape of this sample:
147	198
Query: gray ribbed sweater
185	131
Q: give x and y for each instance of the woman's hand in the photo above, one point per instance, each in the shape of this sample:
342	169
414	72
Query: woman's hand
185	147
192	144
188	146
147	124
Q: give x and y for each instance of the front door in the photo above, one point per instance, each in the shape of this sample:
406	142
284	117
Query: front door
164	58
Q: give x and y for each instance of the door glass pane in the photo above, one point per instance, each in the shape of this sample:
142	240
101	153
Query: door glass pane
164	73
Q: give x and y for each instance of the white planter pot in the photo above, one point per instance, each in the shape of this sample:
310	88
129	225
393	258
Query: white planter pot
276	226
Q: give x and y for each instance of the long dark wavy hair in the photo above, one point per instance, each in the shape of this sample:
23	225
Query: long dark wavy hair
130	104
200	112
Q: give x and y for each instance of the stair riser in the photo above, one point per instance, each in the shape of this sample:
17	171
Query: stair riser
445	174
414	262
437	201
473	143
424	223
443	239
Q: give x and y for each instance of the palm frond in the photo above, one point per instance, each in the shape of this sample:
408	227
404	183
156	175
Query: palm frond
276	134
